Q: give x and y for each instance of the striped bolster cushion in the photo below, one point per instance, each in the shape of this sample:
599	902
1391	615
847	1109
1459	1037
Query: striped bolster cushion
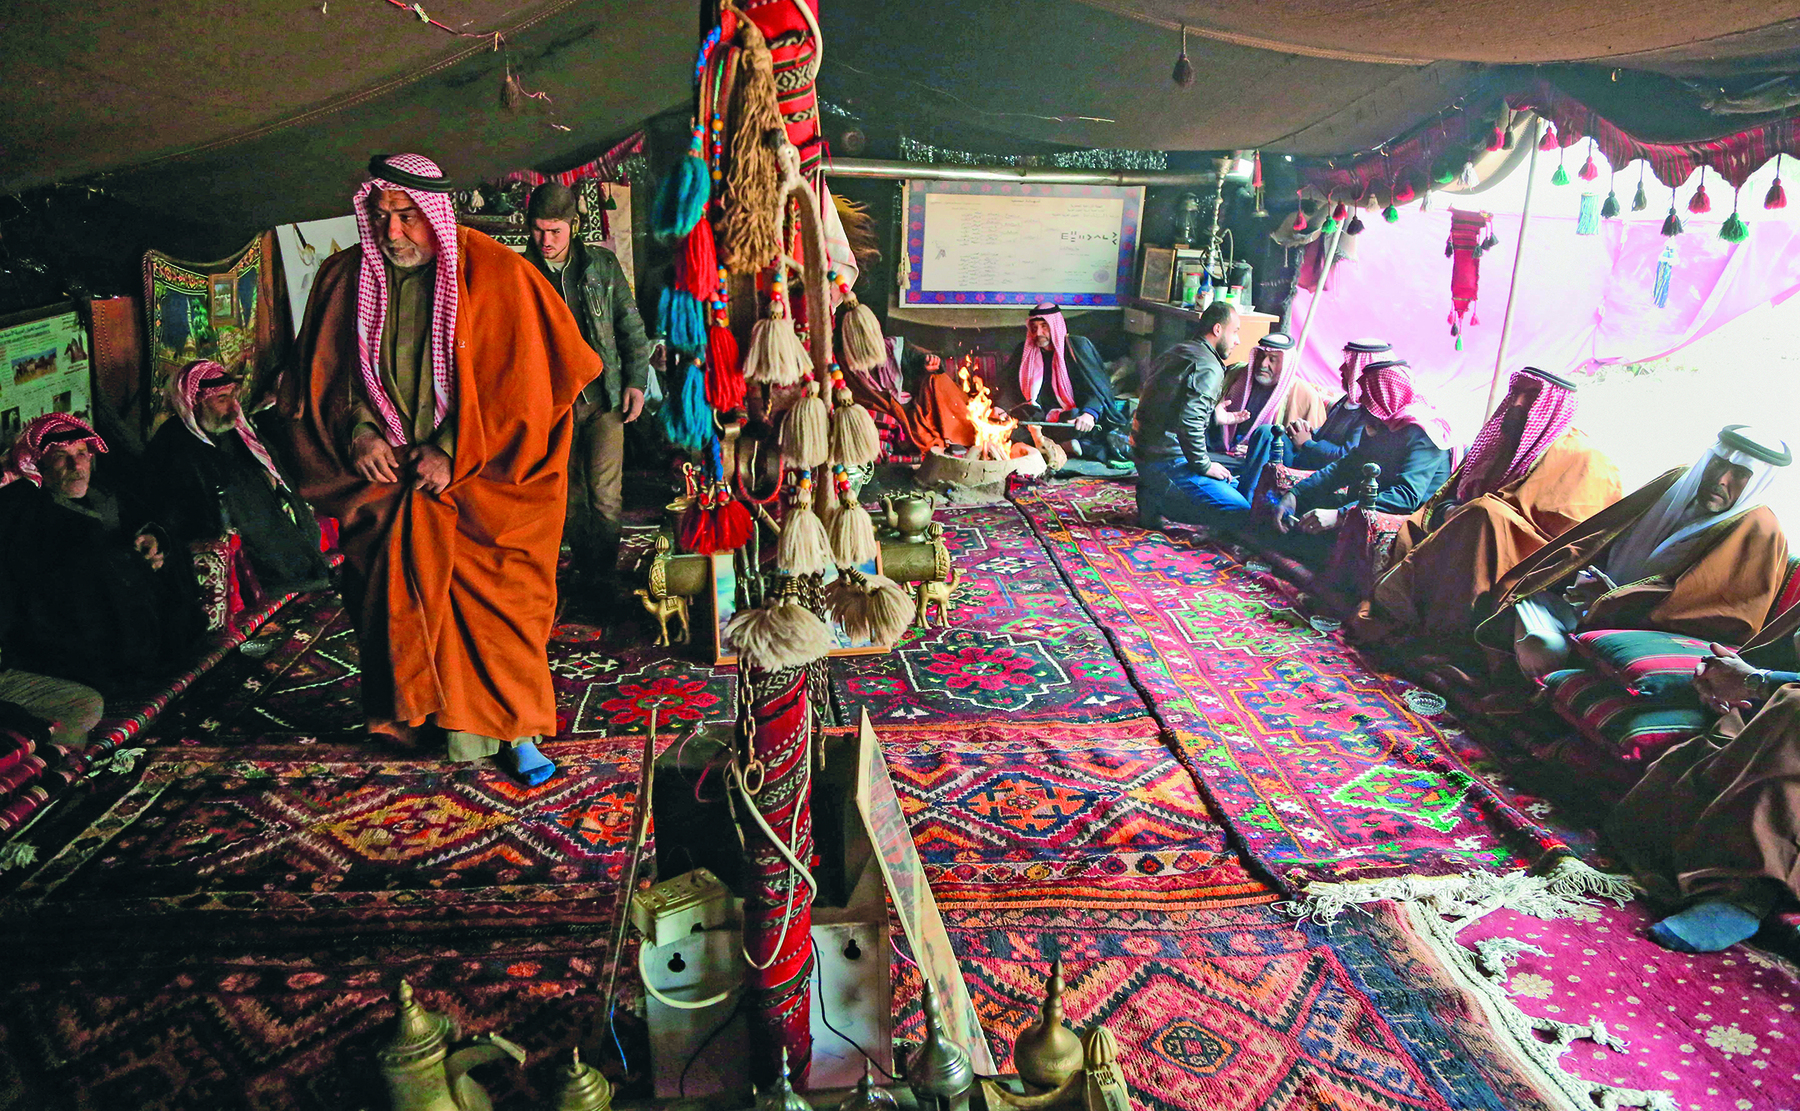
1657	667
1630	728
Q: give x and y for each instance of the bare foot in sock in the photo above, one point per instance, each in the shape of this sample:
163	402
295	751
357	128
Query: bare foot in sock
1705	928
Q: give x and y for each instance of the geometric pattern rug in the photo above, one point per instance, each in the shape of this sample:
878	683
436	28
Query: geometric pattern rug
1324	768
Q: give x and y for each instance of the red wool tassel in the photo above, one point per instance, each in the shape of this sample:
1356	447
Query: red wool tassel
1588	171
1497	139
1404	192
696	533
1776	197
1700	203
1548	142
724	370
699	263
1300	216
1340	213
732	524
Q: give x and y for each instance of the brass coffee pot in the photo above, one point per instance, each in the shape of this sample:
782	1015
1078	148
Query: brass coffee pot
910	514
420	1068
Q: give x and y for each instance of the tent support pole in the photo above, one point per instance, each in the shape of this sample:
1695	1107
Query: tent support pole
1512	287
1312	309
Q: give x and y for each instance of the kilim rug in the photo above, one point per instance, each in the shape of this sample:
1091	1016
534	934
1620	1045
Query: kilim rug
1324	768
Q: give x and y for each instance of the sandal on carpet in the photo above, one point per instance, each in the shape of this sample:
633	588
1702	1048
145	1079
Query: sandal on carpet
527	764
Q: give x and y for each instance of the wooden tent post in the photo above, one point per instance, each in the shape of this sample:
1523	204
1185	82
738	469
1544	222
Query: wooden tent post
1512	287
1312	309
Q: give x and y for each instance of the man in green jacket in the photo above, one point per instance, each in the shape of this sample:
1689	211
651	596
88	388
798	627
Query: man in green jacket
595	287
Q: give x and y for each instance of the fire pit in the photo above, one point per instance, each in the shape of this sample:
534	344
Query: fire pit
965	477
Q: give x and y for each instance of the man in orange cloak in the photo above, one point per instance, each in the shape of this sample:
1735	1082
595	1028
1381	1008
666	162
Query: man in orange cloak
430	414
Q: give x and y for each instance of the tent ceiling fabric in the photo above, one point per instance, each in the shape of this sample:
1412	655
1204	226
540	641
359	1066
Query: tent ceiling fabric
1645	34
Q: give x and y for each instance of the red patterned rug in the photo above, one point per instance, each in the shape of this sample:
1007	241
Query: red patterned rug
1325	769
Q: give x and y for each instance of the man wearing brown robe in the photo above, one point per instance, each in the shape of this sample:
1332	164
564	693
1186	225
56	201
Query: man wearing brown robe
431	414
1530	476
1695	552
1714	825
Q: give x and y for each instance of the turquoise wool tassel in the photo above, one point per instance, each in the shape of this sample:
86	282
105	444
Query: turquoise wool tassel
688	420
1589	221
681	320
1665	271
681	200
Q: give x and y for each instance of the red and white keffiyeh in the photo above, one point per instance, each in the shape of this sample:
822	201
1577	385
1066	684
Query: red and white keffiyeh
1550	416
1240	394
25	458
372	295
200	380
1031	365
1388	396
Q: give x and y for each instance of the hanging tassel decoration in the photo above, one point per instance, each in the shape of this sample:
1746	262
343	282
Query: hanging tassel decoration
855	441
871	608
776	356
1609	209
687	421
1671	225
681	200
781	635
1561	176
859	333
1589	221
1733	229
1507	142
1640	200
1355	226
748	239
803	549
1776	197
852	529
1588	171
681	320
1300	215
1548	142
1699	204
1404	192
699	263
724	377
1183	74
806	430
1391	214
1665	272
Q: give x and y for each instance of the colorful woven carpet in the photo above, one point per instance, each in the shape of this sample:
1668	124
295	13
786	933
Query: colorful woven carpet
1324	769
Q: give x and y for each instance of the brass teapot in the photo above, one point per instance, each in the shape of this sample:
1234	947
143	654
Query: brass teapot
423	1073
909	515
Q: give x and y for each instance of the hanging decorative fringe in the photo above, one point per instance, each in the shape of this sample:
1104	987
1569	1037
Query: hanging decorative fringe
1548	142
859	333
1355	226
1733	229
803	549
855	441
748	240
776	356
781	635
681	200
699	263
852	529
1609	209
724	377
687	421
1471	234
1699	204
1588	171
870	608
1404	192
1561	176
1589	221
806	430
1671	225
1776	197
681	320
1640	200
1300	214
1391	214
1665	272
1183	73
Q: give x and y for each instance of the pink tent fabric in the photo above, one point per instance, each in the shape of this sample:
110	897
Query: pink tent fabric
1583	301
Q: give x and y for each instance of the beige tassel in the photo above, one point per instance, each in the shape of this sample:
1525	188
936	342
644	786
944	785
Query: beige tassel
860	336
855	441
870	608
748	240
826	503
806	431
853	535
804	548
778	636
776	357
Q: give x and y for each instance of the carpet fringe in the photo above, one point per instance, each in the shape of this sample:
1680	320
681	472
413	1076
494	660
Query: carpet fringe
1568	875
1496	955
1463	899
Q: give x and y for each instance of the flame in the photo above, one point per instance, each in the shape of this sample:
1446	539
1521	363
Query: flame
993	427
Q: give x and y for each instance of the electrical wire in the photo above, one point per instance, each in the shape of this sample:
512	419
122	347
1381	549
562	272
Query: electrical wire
819	998
681	1081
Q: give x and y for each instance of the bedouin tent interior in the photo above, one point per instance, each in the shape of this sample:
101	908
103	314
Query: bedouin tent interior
1027	784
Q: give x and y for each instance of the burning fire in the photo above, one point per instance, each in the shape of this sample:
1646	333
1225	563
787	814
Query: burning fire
993	427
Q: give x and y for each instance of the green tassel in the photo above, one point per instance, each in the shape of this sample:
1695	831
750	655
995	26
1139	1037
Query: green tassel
1640	200
1560	177
1610	207
1331	225
1459	343
1391	214
1733	229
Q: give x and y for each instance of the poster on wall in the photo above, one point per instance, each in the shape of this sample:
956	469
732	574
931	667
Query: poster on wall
211	310
304	247
985	243
45	367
